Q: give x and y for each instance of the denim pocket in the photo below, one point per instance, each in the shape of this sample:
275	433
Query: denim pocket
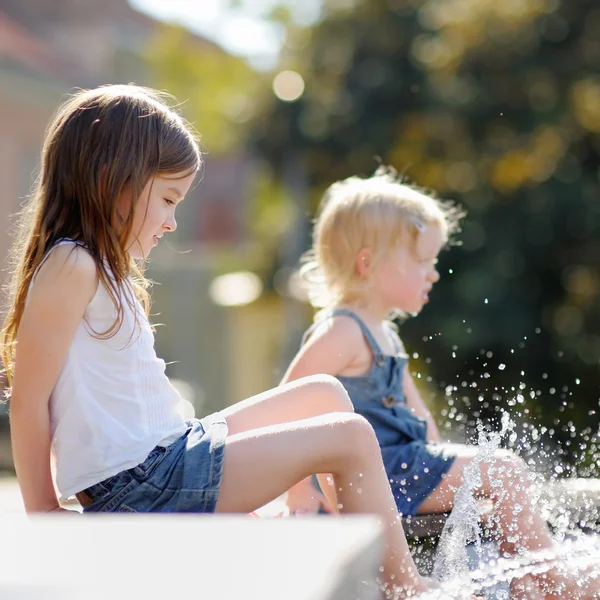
112	504
142	471
100	492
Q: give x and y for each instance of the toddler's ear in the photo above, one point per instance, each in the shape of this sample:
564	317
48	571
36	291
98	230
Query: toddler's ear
363	262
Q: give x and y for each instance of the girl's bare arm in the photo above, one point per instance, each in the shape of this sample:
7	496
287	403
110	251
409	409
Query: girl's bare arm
56	304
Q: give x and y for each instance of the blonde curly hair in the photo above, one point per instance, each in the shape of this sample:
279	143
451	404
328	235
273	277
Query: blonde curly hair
378	212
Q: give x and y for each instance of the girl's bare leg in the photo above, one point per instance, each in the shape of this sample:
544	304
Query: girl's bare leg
300	399
268	452
262	463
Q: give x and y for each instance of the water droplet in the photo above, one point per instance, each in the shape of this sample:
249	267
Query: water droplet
501	367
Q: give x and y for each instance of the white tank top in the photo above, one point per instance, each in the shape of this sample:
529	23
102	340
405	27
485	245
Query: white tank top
112	403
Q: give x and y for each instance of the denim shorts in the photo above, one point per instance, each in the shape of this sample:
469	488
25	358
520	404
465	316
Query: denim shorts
183	477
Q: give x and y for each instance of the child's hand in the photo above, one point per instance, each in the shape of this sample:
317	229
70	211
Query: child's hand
303	498
61	510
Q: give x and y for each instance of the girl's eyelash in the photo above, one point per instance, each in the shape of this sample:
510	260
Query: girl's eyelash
168	201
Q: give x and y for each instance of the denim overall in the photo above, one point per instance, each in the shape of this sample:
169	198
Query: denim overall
413	465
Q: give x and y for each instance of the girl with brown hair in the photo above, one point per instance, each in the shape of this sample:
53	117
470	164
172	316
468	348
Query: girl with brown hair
85	383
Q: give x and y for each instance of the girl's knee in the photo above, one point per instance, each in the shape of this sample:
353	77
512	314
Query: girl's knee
333	391
360	436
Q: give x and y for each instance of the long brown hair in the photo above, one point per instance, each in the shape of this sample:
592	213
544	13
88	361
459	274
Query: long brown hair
102	144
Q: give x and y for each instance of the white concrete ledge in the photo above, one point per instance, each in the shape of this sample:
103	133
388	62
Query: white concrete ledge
68	557
576	490
571	501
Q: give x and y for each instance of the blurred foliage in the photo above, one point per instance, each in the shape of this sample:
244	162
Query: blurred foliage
220	89
496	105
222	97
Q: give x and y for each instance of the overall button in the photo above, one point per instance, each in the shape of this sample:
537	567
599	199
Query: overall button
388	401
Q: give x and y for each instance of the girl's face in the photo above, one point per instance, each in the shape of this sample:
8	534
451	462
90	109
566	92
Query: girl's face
404	279
154	213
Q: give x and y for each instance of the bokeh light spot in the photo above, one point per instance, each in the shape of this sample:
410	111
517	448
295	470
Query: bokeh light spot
288	86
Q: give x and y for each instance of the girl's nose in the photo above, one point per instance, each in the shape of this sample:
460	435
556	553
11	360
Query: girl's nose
434	275
171	224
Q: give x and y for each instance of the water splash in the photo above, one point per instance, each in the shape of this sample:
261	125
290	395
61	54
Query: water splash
573	515
572	556
463	525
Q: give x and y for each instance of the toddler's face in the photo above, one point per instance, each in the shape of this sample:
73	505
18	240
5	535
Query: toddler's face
403	281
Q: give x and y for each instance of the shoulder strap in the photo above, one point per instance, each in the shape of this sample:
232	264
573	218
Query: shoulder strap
394	339
397	346
344	312
60	242
307	333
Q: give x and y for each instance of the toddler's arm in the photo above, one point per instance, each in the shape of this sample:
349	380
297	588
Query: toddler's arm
329	350
416	403
56	304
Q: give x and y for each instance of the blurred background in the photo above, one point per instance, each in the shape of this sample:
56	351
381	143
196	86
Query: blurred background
495	105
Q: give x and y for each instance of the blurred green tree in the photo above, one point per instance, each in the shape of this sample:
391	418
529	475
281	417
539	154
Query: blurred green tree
496	105
221	96
219	89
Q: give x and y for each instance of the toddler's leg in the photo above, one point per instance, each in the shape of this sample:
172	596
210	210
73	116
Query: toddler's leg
519	527
526	588
262	463
327	485
506	481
